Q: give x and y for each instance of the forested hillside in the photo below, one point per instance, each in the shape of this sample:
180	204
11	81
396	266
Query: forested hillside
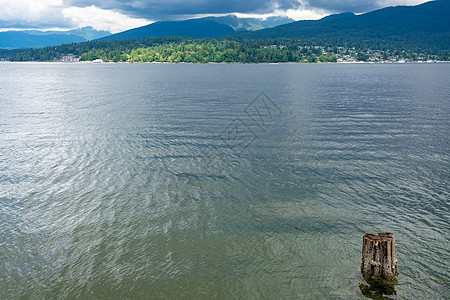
206	50
422	26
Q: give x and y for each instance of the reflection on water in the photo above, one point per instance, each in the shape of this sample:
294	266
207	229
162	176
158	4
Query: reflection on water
120	181
378	290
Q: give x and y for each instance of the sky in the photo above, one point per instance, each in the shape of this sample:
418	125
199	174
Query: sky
118	15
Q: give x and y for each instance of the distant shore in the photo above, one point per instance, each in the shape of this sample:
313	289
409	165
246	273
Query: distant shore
231	63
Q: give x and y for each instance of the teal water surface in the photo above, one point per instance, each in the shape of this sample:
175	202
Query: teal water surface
161	181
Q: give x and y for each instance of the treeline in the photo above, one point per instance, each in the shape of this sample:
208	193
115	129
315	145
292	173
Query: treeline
205	51
5	54
191	50
179	49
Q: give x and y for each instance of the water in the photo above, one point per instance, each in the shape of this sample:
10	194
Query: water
151	181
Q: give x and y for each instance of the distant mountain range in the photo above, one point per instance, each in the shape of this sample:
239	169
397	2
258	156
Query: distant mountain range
199	28
425	25
203	27
421	26
38	39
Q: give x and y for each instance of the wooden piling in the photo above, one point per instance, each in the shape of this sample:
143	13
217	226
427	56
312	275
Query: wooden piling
379	257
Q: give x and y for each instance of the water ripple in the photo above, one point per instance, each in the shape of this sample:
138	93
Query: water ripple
121	184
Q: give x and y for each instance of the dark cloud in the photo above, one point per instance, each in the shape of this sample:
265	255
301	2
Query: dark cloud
170	9
23	14
344	5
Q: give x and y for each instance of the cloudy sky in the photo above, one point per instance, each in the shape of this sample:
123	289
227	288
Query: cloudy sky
118	15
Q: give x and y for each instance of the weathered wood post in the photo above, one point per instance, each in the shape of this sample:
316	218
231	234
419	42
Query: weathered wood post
379	257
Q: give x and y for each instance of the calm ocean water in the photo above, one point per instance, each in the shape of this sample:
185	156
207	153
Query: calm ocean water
184	181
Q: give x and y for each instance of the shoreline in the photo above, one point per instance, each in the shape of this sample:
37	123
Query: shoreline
237	63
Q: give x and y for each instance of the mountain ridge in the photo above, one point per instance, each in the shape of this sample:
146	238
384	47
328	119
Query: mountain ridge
198	28
427	23
38	39
409	27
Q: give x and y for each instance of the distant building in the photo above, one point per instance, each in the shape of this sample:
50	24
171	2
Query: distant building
98	61
70	58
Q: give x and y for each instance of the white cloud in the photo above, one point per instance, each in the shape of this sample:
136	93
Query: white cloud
384	3
46	14
307	14
101	19
30	12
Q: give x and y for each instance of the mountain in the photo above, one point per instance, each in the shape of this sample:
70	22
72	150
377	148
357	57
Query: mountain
339	16
276	21
250	24
89	33
424	25
35	39
199	28
38	39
